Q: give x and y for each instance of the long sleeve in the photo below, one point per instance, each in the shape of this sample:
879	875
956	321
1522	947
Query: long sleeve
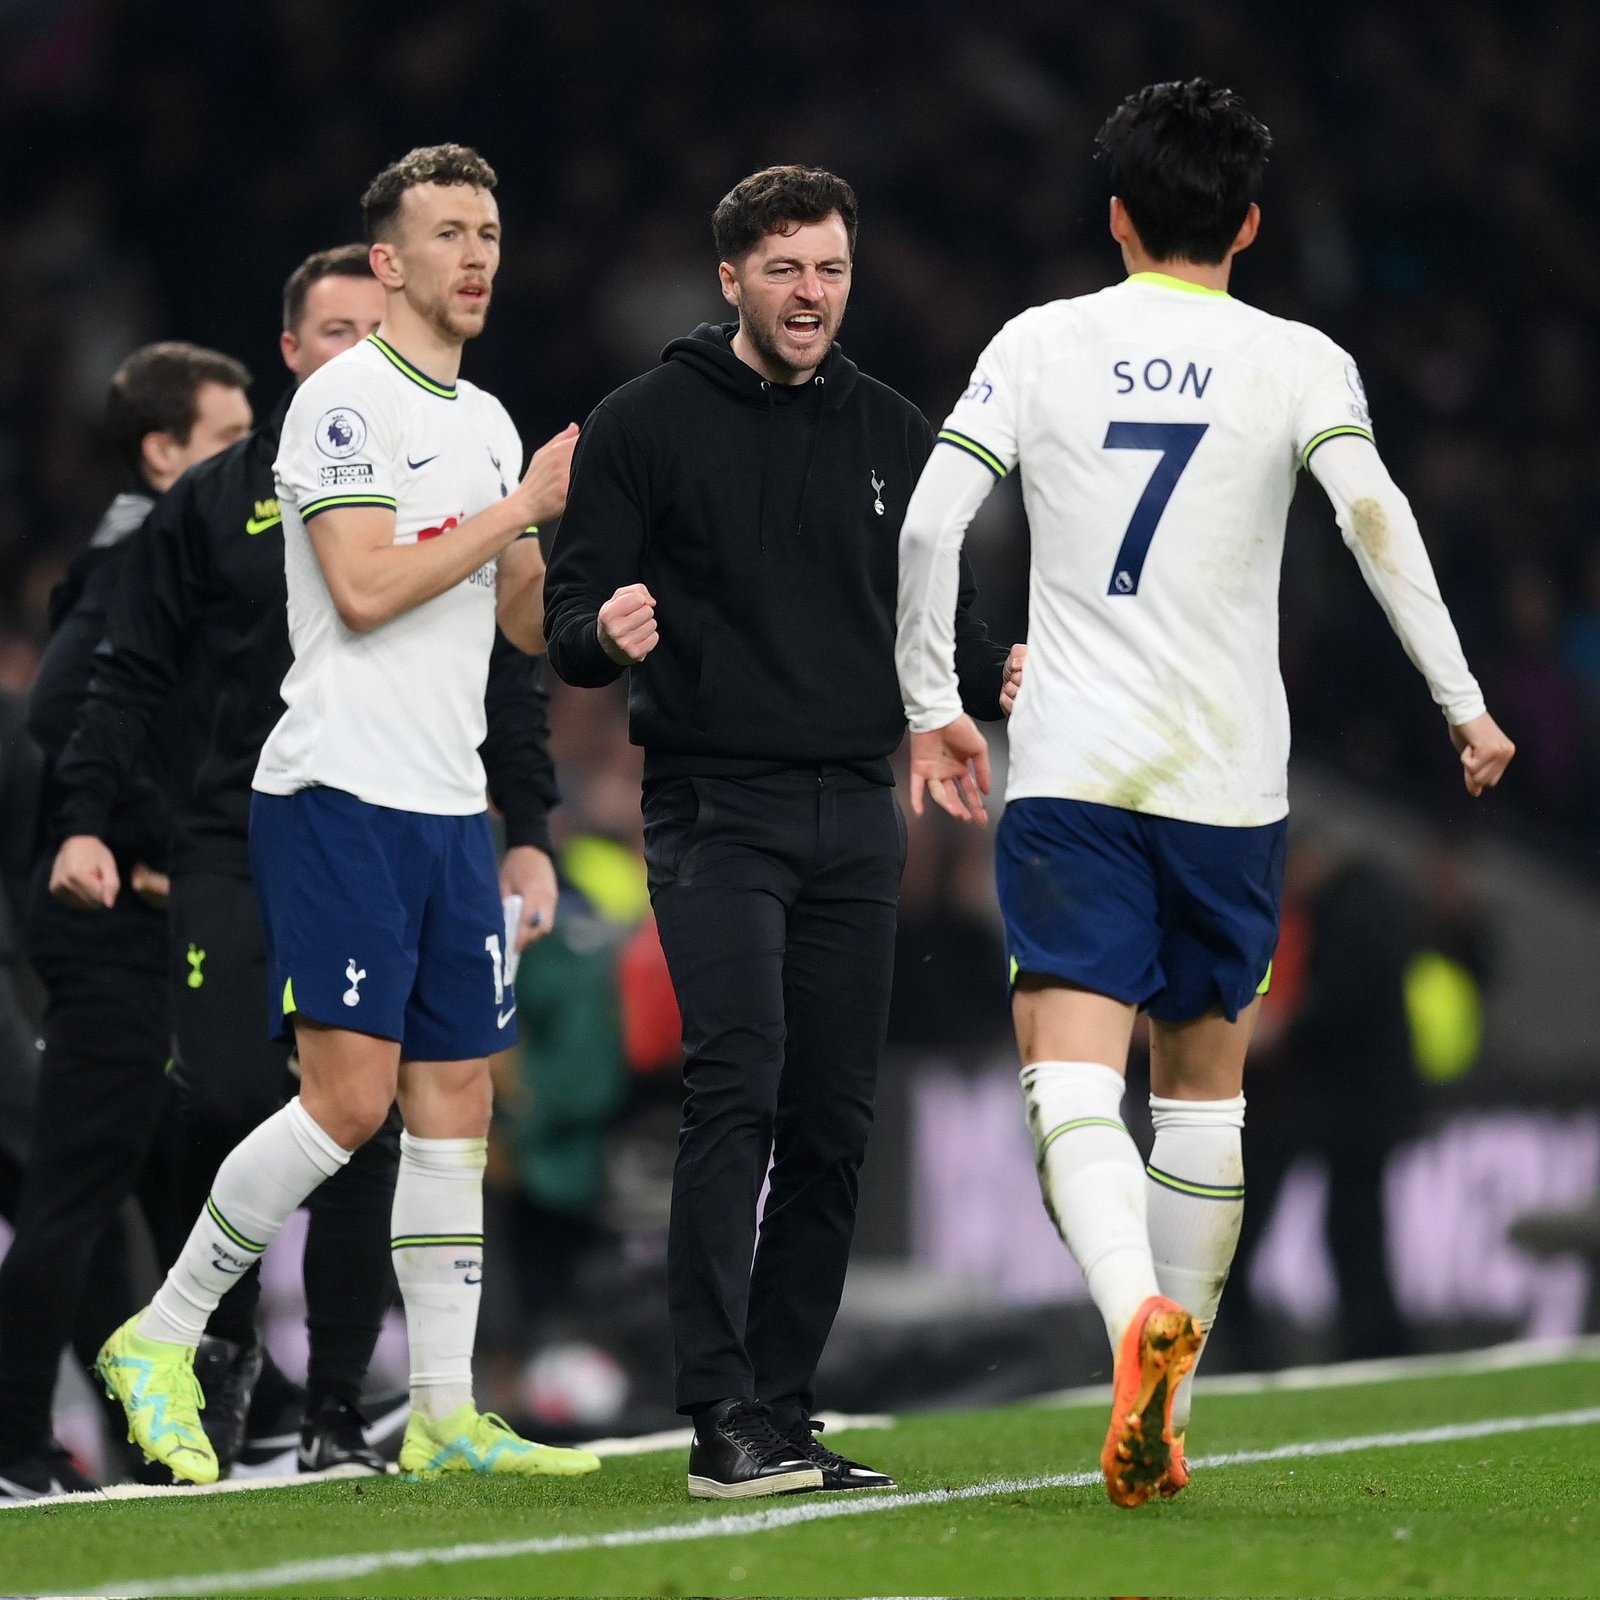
1378	526
940	648
516	748
137	665
598	548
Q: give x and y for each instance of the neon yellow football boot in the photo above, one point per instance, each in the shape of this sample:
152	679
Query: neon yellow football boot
155	1384
469	1440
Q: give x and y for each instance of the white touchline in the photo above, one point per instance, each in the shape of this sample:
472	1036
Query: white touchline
331	1569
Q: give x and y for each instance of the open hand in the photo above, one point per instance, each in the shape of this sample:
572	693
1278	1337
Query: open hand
952	764
543	490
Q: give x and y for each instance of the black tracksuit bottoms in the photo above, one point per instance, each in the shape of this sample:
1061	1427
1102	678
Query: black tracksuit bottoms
102	1110
775	898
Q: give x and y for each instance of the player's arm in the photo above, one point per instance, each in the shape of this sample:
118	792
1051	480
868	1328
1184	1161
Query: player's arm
1378	526
522	783
599	617
519	594
949	757
372	580
136	667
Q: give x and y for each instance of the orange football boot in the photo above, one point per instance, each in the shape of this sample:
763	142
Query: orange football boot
1177	1477
1156	1353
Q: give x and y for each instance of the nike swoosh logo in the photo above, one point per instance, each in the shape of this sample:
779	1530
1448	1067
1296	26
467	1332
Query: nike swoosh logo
417	466
255	525
505	1016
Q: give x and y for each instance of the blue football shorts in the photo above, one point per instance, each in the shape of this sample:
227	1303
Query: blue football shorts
382	921
1178	918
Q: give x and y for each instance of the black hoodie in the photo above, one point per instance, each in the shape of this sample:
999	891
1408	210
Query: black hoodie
765	520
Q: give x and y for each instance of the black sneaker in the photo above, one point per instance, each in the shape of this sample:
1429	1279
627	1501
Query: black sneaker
838	1472
737	1454
272	1429
333	1442
227	1372
42	1474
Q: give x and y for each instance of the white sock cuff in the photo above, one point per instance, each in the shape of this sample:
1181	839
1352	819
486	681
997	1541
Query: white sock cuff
1093	1078
319	1147
445	1157
1165	1114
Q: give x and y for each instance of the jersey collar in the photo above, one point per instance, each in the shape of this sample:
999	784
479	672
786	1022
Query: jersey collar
445	391
1162	280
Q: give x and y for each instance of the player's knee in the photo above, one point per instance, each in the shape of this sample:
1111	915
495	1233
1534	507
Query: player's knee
349	1113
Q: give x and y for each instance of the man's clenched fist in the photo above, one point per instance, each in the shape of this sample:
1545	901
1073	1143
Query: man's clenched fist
628	625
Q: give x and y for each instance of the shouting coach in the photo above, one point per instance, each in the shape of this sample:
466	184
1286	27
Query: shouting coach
731	540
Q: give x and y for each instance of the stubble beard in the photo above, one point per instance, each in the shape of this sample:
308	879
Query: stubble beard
440	315
764	340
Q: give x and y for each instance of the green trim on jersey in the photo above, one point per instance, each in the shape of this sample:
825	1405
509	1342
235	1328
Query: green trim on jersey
445	391
1200	1191
339	502
1334	433
973	448
1162	280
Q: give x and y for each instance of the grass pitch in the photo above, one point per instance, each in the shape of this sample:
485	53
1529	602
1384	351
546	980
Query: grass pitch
1453	1485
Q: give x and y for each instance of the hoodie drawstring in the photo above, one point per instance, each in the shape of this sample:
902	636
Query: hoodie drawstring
766	451
811	455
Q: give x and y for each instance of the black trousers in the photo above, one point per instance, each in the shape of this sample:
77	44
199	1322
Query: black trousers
231	1077
775	898
103	1099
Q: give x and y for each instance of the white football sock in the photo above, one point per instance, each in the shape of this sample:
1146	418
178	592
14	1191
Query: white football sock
1196	1200
437	1238
264	1178
1093	1182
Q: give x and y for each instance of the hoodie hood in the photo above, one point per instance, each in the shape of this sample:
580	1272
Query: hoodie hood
709	351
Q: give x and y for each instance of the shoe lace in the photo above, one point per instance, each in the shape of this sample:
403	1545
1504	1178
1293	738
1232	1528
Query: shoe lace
805	1440
752	1427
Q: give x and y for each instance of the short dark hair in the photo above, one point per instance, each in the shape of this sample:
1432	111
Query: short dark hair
1186	159
156	390
344	261
779	200
430	163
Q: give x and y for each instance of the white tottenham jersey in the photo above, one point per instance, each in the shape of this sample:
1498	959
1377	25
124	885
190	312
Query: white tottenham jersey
1159	427
393	716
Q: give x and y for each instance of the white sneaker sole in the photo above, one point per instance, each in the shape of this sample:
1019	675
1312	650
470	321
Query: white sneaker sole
755	1488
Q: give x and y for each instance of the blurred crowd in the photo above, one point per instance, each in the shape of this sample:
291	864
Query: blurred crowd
1426	204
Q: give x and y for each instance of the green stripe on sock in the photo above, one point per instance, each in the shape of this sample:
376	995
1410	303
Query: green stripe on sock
1080	1122
229	1229
418	1241
1200	1191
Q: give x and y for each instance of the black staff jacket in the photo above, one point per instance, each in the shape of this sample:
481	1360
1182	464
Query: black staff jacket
765	520
202	596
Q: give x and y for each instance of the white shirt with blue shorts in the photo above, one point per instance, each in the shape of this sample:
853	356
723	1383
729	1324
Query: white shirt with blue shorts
1159	427
369	832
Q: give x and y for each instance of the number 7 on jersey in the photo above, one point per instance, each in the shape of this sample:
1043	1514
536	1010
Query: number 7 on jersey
1176	441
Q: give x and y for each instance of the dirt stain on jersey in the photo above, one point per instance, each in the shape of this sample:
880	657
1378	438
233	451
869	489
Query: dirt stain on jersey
1132	787
1373	534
